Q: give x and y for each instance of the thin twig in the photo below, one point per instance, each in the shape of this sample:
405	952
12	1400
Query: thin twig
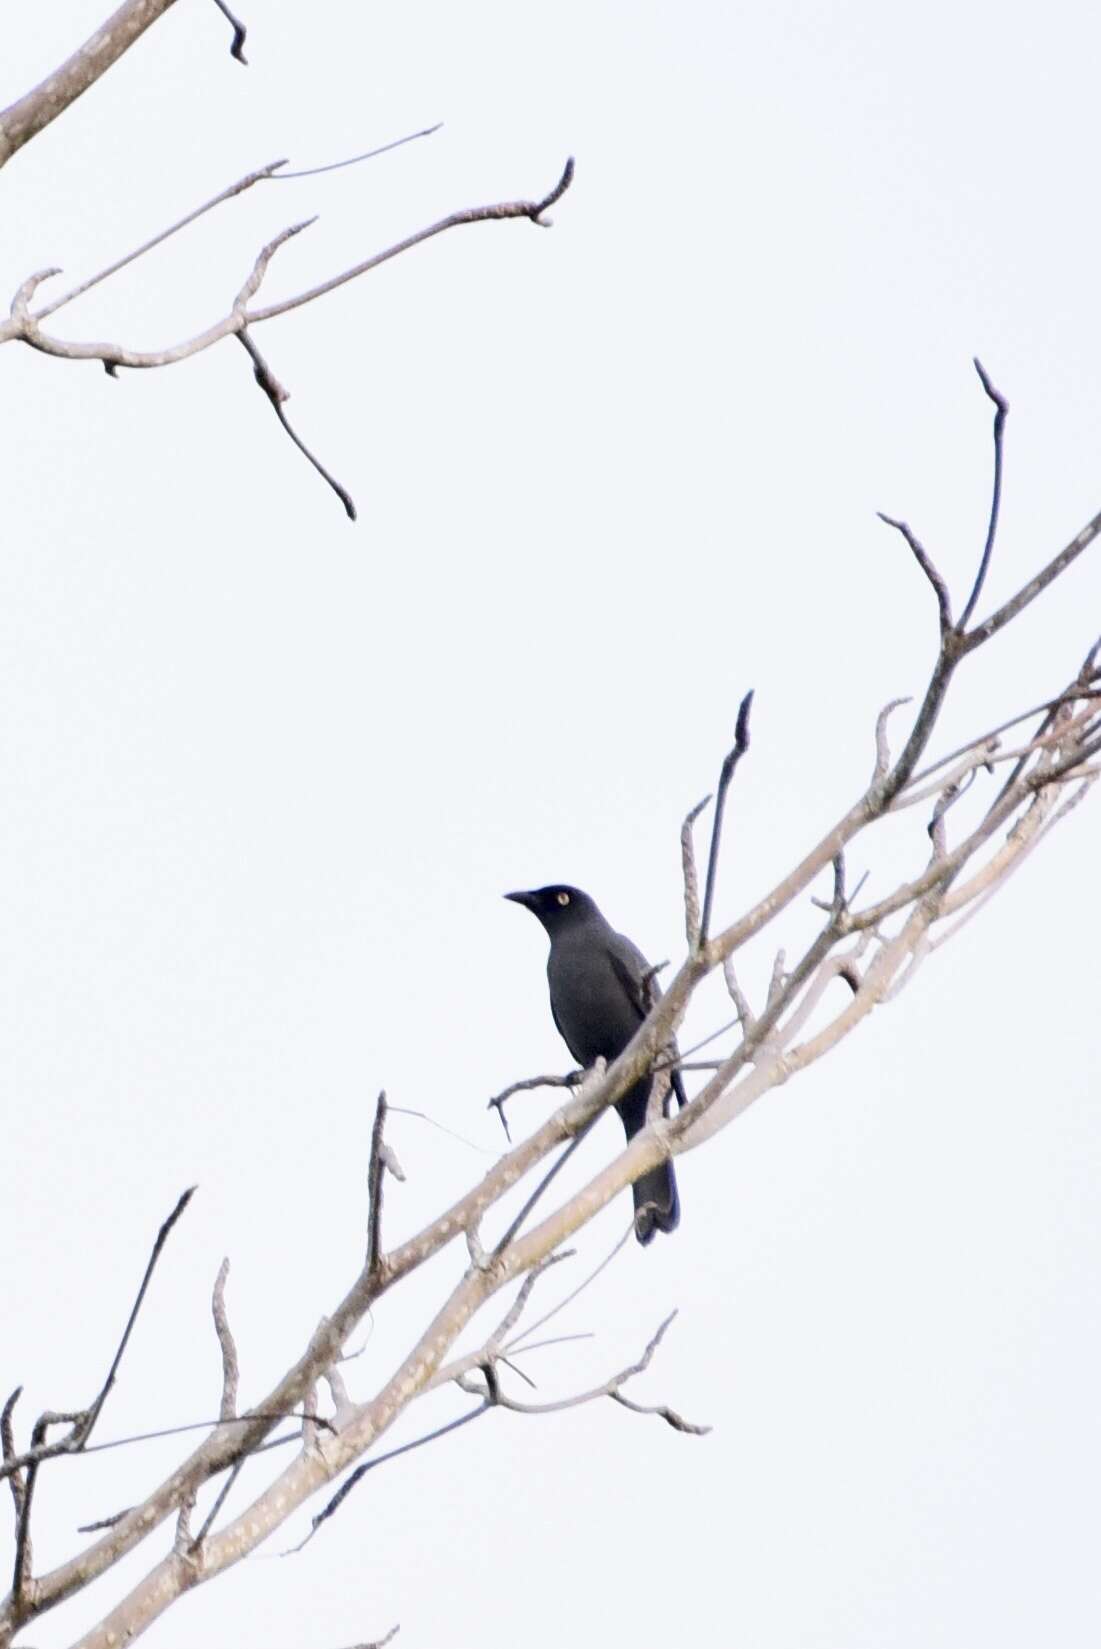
609	1388
531	209
497	1103
375	1171
276	395
380	1460
240	33
1028	592
551	1174
517	1345
423	1116
726	774
670	1416
691	877
23	1552
7	1446
369	154
940	588
1071	696
882	748
261	175
737	996
1001	411
226	1344
271	173
162	1237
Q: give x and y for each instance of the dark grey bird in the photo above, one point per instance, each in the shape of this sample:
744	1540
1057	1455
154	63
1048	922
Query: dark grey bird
600	990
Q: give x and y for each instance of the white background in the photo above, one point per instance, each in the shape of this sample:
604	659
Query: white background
266	774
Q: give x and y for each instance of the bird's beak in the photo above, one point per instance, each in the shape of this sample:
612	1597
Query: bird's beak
520	899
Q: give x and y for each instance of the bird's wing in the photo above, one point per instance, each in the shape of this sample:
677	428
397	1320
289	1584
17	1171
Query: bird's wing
631	968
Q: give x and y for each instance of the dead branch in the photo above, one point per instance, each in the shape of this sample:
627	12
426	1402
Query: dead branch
332	1506
226	1343
375	1170
691	878
609	1388
924	561
27	327
240	33
1001	412
30	114
356	160
1047	775
525	1085
726	774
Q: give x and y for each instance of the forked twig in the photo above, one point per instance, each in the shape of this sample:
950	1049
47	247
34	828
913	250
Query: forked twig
497	1103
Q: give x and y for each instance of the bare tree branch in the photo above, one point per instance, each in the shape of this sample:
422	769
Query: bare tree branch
276	395
226	1343
726	774
609	1388
240	33
1035	586
691	878
1001	412
24	325
25	118
802	1021
525	1085
368	154
376	1169
162	1237
940	588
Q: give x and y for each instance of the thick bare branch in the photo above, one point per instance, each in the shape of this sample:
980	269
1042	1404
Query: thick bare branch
30	114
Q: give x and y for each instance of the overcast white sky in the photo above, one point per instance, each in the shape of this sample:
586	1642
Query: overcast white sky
266	774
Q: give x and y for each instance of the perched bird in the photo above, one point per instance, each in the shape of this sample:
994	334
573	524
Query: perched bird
600	991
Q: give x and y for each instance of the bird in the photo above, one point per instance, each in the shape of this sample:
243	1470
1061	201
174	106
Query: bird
601	987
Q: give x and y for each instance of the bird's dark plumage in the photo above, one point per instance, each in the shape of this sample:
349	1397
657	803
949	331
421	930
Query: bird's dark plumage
598	992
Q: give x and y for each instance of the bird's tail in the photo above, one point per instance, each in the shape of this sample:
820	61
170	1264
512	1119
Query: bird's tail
657	1206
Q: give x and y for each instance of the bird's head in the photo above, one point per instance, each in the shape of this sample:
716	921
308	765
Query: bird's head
557	907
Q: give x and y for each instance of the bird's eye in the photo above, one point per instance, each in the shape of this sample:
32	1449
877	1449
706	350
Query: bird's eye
563	898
